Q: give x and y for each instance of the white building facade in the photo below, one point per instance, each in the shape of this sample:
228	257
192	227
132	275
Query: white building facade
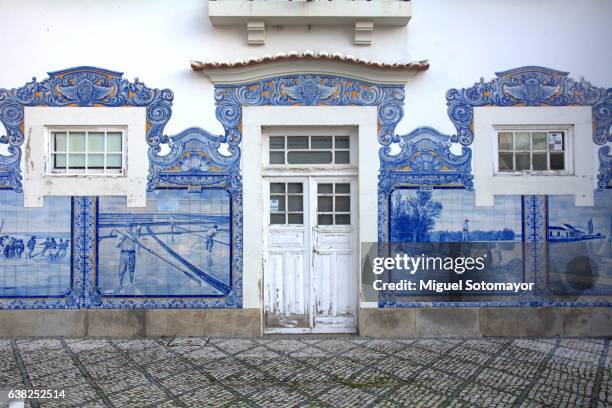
233	167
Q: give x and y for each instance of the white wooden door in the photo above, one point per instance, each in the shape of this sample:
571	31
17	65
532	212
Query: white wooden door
333	275
287	264
310	276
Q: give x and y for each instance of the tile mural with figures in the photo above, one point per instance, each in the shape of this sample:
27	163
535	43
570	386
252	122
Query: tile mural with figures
179	245
449	221
35	247
580	245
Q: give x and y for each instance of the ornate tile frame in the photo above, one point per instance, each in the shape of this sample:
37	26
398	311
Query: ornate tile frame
194	161
432	164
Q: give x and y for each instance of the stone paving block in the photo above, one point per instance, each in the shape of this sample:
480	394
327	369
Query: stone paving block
172	322
34	323
387	322
592	321
520	322
115	323
233	322
314	372
447	322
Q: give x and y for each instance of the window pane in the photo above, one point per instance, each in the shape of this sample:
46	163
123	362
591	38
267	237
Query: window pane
95	142
539	140
277	187
113	142
556	141
297	142
522	161
325	219
76	161
277	203
557	161
343	203
342	142
343	219
296	218
295	203
277	218
505	162
311	157
295	188
505	140
324	204
76	142
539	161
321	142
277	157
343	157
343	188
324	188
277	142
521	141
59	161
113	161
95	160
60	141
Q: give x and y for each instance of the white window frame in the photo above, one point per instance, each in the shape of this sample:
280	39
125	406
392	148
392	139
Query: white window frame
311	131
38	183
568	152
581	183
50	168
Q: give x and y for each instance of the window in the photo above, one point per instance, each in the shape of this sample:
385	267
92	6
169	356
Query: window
309	150
286	203
333	204
87	151
532	150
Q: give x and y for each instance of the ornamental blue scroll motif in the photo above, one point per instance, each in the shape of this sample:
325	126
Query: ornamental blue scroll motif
80	87
191	163
425	159
309	90
534	86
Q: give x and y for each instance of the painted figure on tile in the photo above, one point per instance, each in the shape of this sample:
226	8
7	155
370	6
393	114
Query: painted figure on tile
180	244
209	237
127	242
466	230
30	247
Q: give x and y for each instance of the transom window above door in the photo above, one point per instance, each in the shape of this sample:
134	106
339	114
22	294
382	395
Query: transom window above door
309	150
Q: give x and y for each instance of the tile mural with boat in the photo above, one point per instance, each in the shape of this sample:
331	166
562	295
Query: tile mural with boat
179	245
580	245
35	247
451	225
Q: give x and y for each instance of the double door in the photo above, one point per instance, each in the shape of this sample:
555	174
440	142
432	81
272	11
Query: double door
310	270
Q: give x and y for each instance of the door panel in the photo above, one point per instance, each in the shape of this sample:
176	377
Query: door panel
333	249
286	272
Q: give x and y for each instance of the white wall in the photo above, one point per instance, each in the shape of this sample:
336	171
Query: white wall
156	39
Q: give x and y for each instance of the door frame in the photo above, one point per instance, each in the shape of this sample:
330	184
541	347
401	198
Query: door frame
310	214
254	120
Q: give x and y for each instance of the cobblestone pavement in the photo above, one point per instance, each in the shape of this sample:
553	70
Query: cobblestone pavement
312	372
